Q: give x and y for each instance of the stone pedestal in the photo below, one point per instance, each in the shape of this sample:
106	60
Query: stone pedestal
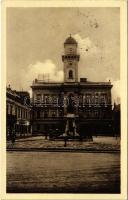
70	119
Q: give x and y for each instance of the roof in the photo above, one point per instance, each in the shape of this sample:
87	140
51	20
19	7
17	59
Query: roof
88	84
70	40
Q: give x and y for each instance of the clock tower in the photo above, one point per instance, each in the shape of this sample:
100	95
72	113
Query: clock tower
70	60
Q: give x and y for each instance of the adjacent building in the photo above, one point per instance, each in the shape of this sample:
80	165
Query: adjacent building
18	112
116	119
78	107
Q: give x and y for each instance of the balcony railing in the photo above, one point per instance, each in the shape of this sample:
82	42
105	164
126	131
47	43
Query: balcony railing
39	104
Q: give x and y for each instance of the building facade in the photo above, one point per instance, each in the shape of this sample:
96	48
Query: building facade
18	113
73	106
117	120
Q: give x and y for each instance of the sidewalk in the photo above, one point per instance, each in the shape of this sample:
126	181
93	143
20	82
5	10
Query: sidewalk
100	144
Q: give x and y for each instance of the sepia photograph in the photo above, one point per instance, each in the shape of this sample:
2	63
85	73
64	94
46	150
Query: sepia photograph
63	100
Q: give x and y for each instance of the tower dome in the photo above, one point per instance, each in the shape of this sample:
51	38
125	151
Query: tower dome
70	40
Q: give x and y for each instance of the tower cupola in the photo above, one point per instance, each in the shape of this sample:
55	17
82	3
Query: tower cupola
70	40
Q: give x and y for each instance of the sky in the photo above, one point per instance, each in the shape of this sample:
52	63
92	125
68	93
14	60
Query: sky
35	38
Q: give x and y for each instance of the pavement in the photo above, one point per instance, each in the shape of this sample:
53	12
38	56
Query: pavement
54	172
39	143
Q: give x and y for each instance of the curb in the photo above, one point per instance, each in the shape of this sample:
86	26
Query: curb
62	150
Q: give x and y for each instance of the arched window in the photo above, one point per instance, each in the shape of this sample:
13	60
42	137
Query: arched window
38	114
45	114
70	74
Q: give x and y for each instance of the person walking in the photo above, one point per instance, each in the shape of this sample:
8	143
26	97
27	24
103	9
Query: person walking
65	138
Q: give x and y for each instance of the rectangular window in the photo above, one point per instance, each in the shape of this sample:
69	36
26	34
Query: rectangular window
88	99
92	99
102	100
38	127
84	101
26	114
21	113
53	113
46	99
18	112
54	99
96	100
81	100
38	98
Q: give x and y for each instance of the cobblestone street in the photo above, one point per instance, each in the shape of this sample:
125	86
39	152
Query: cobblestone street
56	172
63	172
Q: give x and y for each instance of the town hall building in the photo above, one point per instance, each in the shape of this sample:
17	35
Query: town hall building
73	107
